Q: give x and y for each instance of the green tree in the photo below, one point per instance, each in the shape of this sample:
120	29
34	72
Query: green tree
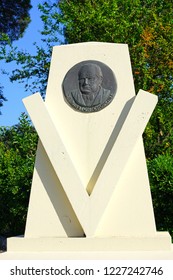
14	19
161	180
17	154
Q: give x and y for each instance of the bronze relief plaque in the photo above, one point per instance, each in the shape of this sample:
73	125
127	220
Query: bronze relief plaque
89	86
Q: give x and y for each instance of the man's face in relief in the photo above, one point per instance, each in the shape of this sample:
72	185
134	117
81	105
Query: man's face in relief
90	79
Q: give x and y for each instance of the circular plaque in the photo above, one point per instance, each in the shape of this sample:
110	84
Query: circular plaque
89	86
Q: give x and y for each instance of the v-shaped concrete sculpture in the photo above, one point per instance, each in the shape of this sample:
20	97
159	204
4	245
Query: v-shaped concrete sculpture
90	178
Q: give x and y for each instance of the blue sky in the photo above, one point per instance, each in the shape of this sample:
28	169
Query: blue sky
15	91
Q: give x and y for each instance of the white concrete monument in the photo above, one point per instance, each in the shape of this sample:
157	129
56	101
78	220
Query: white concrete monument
90	189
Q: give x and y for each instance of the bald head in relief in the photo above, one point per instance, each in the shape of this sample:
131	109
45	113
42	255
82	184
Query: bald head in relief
89	94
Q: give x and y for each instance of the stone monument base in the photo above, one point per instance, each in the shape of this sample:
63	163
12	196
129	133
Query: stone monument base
161	241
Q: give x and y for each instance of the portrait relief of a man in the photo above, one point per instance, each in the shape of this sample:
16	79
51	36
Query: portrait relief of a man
88	94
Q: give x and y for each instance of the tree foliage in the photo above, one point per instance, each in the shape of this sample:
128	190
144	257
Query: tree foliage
161	180
14	18
34	69
17	153
2	98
